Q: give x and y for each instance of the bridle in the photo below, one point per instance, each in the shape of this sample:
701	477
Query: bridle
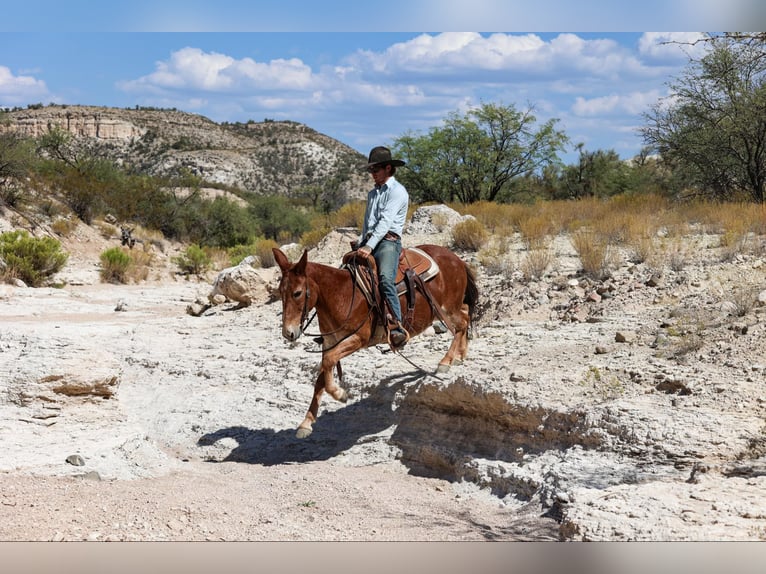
306	320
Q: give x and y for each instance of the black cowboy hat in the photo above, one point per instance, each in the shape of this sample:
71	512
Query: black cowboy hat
382	155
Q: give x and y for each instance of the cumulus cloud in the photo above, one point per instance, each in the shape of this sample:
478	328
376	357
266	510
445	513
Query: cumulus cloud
671	46
191	68
631	103
18	90
456	54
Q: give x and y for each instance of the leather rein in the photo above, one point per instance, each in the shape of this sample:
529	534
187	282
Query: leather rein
306	320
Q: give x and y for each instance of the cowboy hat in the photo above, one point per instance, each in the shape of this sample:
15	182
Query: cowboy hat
382	155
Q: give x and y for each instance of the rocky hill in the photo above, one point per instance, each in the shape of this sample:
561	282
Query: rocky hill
262	157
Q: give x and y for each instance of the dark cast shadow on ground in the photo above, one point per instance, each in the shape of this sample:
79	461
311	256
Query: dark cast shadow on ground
334	432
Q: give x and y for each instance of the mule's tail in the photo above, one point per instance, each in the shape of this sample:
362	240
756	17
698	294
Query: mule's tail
471	296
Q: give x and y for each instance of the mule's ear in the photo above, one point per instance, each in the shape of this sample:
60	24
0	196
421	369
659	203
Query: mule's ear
300	267
280	258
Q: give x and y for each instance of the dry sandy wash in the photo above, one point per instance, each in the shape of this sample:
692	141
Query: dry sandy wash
629	409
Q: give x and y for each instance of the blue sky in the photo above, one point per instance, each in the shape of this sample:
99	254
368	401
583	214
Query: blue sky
364	75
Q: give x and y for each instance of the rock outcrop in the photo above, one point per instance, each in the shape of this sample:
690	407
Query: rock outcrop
263	157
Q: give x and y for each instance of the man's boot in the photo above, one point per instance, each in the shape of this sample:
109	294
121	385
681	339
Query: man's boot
398	337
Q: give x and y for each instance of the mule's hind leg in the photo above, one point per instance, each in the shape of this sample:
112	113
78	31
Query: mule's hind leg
451	356
459	346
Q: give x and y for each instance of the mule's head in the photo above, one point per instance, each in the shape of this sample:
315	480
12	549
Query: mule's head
297	299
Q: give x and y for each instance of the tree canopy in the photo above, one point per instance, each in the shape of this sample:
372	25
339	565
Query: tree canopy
477	156
712	129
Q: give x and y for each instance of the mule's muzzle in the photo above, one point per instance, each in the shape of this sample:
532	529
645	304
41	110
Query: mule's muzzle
291	333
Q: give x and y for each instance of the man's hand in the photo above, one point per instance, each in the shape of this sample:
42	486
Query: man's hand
365	249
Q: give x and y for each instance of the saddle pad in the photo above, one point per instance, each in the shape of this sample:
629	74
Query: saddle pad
420	262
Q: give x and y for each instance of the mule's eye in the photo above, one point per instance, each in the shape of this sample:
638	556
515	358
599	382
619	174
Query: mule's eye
297	294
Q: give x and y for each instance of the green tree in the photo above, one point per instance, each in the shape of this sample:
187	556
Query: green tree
275	217
478	156
600	173
712	129
226	224
16	160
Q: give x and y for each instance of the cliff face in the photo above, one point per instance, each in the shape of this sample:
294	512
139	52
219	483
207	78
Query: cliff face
267	157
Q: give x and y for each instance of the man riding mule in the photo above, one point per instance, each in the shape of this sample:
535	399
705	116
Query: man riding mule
348	322
384	218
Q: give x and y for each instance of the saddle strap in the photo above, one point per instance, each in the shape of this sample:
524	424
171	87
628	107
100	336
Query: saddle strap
434	307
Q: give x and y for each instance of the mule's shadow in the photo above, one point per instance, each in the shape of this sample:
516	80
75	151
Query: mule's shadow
334	432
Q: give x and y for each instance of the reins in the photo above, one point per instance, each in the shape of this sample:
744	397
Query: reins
305	323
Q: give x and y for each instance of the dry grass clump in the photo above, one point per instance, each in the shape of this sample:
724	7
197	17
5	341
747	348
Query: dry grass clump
536	262
536	231
63	226
495	259
743	299
498	219
595	253
469	235
676	254
685	335
141	264
349	215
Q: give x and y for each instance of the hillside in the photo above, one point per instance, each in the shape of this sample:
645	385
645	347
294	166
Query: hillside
262	157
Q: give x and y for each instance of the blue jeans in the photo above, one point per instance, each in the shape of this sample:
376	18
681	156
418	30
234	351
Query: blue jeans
387	258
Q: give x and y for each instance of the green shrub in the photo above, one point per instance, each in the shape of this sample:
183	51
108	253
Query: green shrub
114	265
194	261
31	259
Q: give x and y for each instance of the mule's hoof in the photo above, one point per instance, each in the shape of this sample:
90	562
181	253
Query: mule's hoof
442	368
302	432
457	362
343	396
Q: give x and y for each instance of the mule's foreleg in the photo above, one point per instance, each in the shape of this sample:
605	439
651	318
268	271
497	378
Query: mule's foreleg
305	428
324	382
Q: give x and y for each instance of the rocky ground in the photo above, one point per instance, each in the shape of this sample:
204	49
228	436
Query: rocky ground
625	409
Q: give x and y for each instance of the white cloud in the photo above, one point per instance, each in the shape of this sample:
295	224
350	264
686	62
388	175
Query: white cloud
671	46
633	103
454	54
191	68
18	90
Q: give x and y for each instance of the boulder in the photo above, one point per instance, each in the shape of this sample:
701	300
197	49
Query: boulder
244	284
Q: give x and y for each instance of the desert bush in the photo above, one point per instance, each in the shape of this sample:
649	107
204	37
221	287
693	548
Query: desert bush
676	254
31	259
470	234
495	260
115	262
536	262
349	215
106	229
536	231
193	261
63	226
743	299
263	249
594	252
311	238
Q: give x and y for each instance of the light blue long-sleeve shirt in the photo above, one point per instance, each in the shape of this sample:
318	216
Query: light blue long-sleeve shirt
386	211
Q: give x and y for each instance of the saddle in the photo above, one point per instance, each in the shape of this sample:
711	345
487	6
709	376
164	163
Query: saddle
415	268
